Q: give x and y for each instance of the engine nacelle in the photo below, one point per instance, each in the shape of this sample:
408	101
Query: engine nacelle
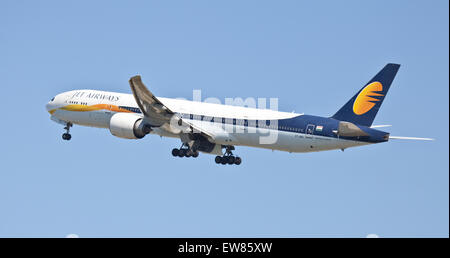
128	126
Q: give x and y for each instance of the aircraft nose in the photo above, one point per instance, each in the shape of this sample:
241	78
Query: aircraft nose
50	106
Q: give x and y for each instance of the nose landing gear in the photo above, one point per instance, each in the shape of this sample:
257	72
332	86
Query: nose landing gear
67	136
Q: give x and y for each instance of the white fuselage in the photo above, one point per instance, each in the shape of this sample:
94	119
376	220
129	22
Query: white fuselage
95	108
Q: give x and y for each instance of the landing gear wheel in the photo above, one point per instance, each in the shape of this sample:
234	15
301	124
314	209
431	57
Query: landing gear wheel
224	160
228	157
185	151
231	160
175	152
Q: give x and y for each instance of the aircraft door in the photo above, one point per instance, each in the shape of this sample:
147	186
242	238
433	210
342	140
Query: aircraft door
310	129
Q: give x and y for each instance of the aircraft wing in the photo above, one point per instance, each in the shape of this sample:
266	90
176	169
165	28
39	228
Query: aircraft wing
150	106
157	113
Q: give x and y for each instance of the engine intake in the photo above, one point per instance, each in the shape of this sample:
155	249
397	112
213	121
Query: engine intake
128	126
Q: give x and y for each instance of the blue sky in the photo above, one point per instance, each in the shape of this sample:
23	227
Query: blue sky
313	56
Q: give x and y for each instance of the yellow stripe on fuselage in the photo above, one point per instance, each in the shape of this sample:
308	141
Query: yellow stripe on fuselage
86	108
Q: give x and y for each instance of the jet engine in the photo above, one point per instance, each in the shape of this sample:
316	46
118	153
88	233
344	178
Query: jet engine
128	126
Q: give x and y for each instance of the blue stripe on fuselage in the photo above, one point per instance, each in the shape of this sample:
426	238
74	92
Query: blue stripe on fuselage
299	124
328	126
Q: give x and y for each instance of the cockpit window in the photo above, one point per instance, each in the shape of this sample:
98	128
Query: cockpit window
52	99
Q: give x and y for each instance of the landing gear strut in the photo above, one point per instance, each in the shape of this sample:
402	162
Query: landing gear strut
185	151
228	157
67	136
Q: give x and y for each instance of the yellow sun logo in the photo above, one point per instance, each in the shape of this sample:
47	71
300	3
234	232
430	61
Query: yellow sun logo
366	98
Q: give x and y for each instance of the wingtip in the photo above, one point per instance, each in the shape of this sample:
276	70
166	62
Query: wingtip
136	78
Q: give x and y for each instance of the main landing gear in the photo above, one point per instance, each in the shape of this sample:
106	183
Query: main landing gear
190	150
184	151
228	157
67	136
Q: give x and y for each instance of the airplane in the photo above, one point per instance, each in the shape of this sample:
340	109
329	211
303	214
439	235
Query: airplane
216	129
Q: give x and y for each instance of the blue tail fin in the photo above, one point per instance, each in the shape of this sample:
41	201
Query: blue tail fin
364	106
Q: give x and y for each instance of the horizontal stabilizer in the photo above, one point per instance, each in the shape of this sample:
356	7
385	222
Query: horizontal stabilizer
380	126
410	138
